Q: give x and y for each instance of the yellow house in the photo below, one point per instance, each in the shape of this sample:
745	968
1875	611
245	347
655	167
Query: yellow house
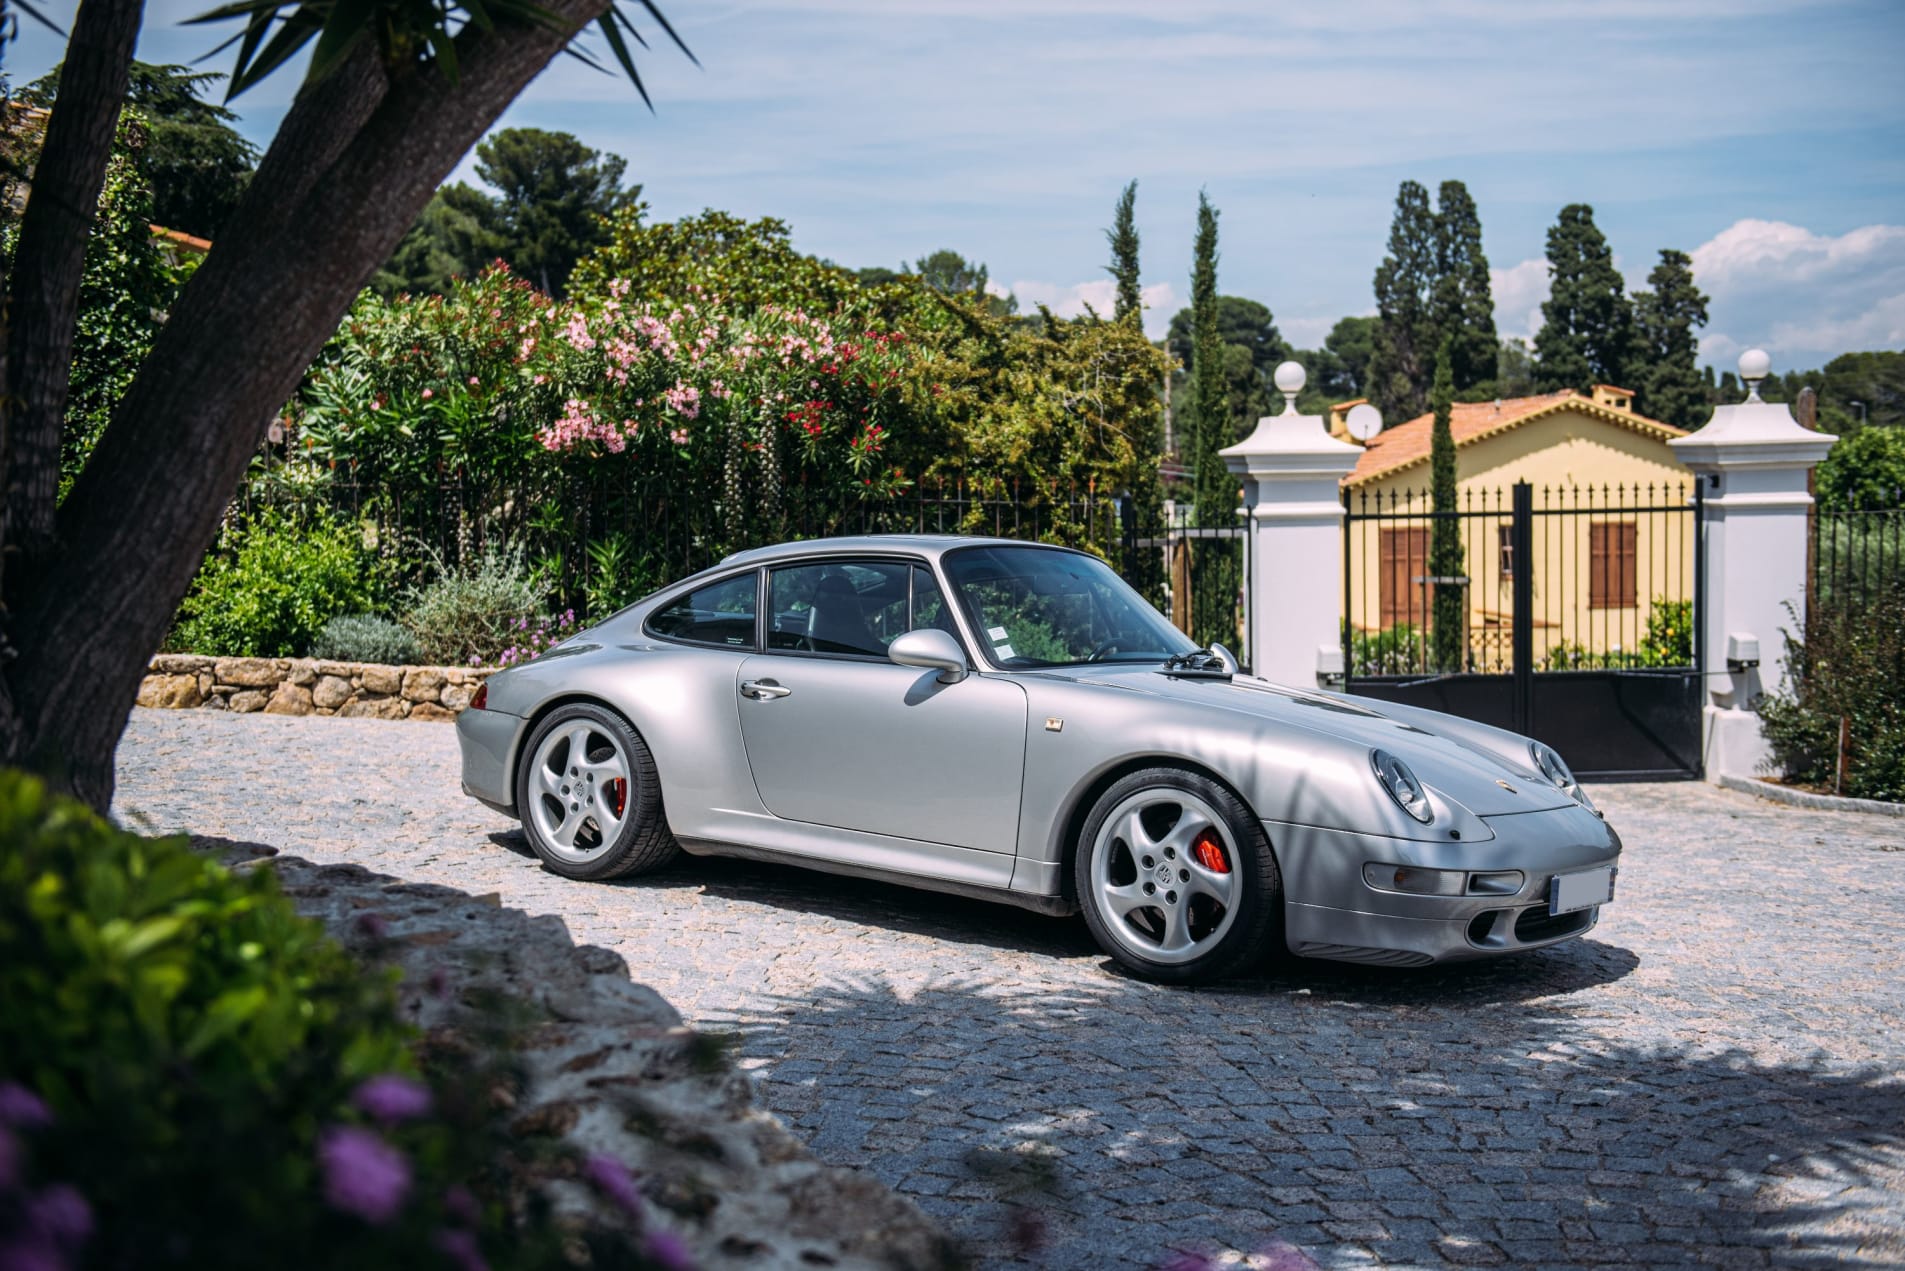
1609	535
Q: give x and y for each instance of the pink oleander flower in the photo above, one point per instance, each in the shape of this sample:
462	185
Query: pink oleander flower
684	400
577	333
679	436
428	394
391	1098
363	1175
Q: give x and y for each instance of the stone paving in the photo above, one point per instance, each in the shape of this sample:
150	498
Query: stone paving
1714	1076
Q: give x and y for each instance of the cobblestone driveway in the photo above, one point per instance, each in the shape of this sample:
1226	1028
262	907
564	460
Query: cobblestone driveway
1714	1076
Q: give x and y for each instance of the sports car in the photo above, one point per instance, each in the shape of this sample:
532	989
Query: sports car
1012	721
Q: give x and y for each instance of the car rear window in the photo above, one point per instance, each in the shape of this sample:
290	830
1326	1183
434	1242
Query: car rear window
718	614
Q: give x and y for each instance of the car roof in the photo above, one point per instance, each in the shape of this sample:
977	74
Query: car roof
929	545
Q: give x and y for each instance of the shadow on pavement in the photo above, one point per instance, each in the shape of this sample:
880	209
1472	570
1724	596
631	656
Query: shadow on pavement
1117	1122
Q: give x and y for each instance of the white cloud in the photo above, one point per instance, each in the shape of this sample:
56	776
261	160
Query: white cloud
1804	297
1159	299
1519	291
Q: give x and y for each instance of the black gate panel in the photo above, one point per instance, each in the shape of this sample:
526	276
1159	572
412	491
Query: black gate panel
1575	621
1621	725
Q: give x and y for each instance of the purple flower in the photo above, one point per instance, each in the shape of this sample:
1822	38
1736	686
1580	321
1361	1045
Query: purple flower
1189	1262
61	1215
613	1180
30	1256
363	1175
21	1108
1285	1257
390	1098
668	1251
462	1206
461	1248
372	926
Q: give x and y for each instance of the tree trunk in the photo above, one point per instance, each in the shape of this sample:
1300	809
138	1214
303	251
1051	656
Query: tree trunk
48	266
354	163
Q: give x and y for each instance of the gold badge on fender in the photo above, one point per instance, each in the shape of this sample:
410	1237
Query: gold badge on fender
1504	785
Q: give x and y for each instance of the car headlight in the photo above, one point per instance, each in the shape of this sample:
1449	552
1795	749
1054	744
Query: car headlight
1552	766
1402	785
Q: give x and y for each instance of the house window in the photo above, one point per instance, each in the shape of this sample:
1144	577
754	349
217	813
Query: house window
1611	549
1405	558
1505	540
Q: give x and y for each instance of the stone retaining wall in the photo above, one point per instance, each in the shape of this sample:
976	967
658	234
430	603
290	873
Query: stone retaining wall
309	686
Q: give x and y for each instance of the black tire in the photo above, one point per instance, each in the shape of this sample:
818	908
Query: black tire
1249	935
643	841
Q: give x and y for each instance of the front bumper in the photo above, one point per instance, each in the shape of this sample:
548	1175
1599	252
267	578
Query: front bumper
1330	911
488	739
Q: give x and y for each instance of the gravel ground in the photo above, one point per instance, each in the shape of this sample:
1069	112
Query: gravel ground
1713	1076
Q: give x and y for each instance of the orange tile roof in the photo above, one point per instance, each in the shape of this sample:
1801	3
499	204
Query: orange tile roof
179	238
1407	444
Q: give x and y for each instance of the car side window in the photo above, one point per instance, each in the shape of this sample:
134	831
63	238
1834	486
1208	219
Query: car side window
850	607
719	614
929	604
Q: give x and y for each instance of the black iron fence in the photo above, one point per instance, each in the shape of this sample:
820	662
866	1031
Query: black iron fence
1605	576
602	545
1857	564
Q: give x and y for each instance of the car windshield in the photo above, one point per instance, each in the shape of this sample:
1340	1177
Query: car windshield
1038	606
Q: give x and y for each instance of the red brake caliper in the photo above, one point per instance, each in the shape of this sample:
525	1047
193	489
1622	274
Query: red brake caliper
1208	851
618	794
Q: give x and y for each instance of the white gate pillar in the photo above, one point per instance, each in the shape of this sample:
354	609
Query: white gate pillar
1292	470
1755	459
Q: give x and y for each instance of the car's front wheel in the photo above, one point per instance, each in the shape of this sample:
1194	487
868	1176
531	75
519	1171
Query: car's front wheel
1176	878
588	796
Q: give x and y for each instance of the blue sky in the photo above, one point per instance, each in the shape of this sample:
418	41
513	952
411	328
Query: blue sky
1767	137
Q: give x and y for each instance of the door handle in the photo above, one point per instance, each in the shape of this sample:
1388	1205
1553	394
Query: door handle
763	690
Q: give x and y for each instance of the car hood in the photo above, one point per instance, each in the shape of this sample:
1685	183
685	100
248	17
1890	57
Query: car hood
1469	774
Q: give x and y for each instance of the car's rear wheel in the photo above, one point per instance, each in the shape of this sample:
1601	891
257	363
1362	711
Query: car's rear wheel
589	798
1176	878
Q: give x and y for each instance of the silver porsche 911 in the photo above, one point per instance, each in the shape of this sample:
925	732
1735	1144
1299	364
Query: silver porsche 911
1012	721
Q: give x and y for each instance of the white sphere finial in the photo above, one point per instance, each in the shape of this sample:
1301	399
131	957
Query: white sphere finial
1755	365
1290	380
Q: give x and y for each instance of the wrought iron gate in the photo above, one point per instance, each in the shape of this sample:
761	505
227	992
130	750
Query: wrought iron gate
1579	610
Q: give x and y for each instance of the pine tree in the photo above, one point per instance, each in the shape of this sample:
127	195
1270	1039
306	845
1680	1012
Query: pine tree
1405	323
1445	538
1123	237
1587	332
1671	387
1464	303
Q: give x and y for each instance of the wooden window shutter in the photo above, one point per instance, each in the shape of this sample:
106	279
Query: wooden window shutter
1405	557
1612	572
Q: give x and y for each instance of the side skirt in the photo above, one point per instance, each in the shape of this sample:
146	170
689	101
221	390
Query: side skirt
1051	906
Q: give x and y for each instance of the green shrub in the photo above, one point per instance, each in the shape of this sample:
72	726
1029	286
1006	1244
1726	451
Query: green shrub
272	583
195	1045
1850	666
363	637
1397	650
475	611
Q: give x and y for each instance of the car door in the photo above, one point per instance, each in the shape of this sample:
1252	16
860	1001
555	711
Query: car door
837	735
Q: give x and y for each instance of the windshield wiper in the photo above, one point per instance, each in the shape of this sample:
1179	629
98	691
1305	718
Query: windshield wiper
1216	662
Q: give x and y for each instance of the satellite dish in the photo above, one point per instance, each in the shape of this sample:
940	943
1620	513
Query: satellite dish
1363	421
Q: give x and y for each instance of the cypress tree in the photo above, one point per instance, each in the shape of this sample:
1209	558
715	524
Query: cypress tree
1445	538
1464	302
1216	498
1587	331
1123	237
1215	581
1405	323
1671	387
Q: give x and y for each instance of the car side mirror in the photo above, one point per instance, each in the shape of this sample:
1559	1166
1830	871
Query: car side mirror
933	649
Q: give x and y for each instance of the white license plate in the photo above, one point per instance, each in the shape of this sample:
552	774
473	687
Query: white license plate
1570	892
